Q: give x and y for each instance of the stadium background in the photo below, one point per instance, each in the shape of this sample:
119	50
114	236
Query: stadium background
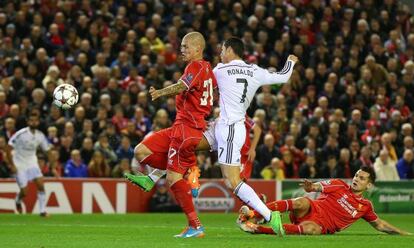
354	84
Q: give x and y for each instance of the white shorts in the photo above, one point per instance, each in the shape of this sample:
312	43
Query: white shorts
230	139
24	176
210	135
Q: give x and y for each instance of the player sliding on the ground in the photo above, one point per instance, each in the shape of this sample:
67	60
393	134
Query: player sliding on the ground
338	206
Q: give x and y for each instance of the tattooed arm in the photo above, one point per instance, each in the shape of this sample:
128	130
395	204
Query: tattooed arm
171	90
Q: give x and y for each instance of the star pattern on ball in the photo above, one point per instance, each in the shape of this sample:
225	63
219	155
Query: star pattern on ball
63	100
74	92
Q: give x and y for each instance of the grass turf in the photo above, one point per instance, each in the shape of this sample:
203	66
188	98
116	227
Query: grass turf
157	230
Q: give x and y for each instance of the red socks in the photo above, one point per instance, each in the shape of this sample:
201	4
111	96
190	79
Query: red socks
182	192
281	206
289	229
293	229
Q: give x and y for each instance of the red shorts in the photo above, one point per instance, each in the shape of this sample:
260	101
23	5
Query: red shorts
315	214
178	143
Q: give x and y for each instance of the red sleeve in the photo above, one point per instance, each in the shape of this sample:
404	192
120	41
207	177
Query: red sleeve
333	185
191	74
249	123
370	214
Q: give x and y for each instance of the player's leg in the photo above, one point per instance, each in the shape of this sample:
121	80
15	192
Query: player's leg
146	156
22	181
152	151
304	228
298	206
181	157
41	195
229	146
19	198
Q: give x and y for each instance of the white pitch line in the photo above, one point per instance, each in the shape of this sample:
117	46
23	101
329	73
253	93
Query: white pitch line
107	226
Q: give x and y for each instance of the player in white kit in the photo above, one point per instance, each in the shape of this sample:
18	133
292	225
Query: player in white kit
22	157
238	82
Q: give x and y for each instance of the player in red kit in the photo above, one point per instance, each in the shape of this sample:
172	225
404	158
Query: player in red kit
248	150
208	142
174	148
338	206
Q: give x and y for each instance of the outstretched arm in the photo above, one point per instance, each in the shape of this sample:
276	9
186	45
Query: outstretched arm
171	90
282	76
383	226
308	186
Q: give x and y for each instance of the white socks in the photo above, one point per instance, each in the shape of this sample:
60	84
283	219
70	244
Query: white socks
249	196
41	196
156	174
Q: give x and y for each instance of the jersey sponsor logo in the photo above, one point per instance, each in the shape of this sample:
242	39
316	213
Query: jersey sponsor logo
343	202
214	197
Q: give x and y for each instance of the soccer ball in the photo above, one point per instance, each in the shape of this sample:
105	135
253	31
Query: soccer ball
65	96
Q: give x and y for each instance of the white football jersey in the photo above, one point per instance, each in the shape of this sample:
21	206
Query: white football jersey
238	82
25	144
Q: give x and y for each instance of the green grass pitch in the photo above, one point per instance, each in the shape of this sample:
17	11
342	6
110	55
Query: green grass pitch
157	230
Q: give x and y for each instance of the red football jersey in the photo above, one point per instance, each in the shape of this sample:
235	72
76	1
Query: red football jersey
342	206
194	104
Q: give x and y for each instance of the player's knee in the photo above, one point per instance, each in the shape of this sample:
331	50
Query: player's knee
232	182
141	151
173	178
311	229
41	188
23	193
300	203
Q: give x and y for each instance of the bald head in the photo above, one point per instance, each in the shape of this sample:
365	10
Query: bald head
192	46
196	39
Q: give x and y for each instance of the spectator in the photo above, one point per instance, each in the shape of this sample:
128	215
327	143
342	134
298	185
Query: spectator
98	166
4	107
4	165
309	168
385	168
153	41
125	150
103	146
273	171
330	169
75	166
55	167
265	153
9	128
290	166
121	168
161	201
87	150
405	165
